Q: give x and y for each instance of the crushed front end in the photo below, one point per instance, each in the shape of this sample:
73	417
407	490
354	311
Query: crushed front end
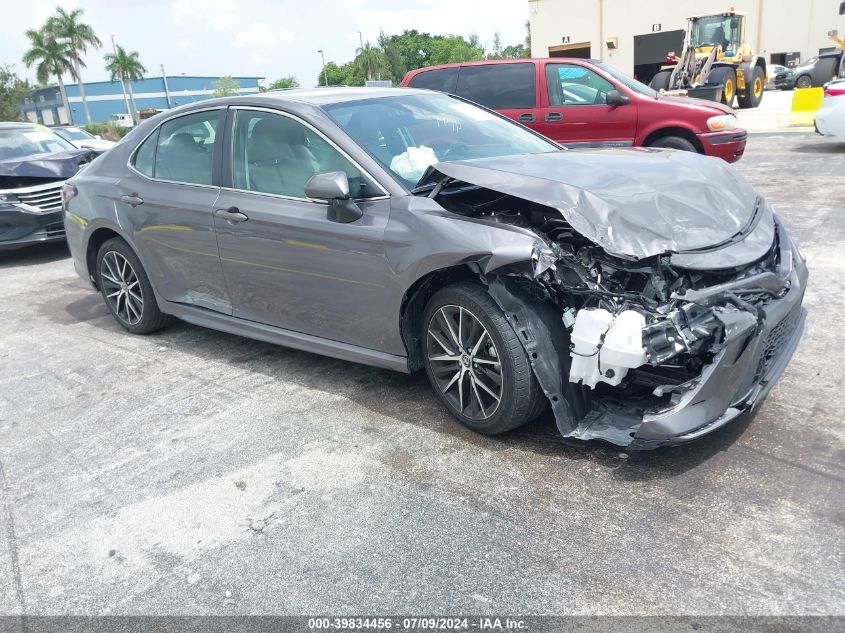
653	350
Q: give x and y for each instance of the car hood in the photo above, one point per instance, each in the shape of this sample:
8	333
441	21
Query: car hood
634	203
692	103
59	165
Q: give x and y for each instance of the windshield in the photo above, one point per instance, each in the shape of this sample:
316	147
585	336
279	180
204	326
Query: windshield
73	134
716	30
23	142
628	82
407	134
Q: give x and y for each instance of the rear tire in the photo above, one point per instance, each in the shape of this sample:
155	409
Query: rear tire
472	356
674	142
753	94
725	75
126	289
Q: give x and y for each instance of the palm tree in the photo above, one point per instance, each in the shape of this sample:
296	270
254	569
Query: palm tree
370	60
65	25
50	57
127	67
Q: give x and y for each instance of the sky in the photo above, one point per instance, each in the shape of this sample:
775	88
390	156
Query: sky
270	38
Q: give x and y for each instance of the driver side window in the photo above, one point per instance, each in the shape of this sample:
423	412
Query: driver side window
572	85
277	154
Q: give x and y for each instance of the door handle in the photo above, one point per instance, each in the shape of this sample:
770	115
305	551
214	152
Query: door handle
553	116
232	215
132	200
526	117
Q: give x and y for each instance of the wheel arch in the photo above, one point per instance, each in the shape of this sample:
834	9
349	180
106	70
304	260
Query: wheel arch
415	299
674	130
96	239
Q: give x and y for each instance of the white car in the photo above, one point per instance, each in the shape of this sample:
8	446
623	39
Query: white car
830	120
82	139
773	71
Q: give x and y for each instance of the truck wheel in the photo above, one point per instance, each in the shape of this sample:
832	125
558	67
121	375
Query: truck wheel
475	362
804	81
725	75
661	80
753	94
674	142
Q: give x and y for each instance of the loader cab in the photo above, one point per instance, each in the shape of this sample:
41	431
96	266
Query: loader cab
724	30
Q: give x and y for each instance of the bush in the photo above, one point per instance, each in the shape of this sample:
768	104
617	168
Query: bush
108	131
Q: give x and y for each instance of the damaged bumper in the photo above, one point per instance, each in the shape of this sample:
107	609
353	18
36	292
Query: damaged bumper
740	376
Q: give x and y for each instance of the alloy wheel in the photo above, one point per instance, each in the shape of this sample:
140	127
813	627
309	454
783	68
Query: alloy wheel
464	362
122	288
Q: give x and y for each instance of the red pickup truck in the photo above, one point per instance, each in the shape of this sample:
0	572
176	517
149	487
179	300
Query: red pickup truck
587	103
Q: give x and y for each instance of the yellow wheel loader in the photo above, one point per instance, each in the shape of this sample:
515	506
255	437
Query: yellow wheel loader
714	54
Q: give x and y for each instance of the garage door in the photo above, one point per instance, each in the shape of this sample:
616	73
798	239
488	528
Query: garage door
650	51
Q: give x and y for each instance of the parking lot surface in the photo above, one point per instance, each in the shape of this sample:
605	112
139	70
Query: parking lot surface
196	472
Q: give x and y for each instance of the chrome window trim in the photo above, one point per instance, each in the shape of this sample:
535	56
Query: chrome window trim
130	161
385	194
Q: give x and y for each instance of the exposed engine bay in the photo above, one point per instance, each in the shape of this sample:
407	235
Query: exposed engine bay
639	332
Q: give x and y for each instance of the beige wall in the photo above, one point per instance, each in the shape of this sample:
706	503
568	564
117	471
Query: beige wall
782	25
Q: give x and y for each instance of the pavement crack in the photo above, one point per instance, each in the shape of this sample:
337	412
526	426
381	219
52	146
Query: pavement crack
12	541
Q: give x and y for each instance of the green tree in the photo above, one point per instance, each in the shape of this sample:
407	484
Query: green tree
13	90
288	81
454	48
65	25
496	51
370	61
125	66
341	75
226	87
51	57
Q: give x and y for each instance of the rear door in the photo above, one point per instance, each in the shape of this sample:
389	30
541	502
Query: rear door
510	89
166	203
574	110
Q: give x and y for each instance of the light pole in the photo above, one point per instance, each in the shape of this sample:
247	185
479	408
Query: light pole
325	77
122	85
166	88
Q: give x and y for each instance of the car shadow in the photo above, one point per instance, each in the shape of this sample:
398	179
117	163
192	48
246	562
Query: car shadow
822	147
34	255
399	396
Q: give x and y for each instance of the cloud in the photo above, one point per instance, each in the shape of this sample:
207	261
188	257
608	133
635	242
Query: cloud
258	35
215	14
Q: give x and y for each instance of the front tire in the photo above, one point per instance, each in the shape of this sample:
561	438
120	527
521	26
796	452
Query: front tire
725	75
804	81
674	142
475	362
126	289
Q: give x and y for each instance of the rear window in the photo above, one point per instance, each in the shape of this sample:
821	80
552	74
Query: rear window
499	86
442	79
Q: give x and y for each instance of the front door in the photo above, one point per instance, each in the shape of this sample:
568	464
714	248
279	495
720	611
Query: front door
575	113
286	263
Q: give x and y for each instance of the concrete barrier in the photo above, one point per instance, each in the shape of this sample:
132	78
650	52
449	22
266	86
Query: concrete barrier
805	103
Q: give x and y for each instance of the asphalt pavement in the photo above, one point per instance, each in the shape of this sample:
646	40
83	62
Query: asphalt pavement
193	472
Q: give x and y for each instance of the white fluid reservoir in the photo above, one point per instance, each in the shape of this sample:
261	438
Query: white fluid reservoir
604	348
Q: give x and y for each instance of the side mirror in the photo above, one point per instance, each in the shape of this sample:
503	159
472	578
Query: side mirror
616	98
333	186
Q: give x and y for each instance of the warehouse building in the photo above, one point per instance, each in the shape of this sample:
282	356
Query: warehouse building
635	37
105	98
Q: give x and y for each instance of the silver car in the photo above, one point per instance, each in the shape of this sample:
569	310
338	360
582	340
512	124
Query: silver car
646	296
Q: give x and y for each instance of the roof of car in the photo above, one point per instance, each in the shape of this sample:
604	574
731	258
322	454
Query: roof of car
17	124
330	94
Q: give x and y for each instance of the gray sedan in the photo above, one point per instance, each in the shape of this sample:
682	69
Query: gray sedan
646	296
